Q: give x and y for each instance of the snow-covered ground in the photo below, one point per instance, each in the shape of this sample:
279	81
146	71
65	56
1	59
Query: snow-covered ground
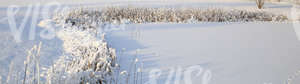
250	53
227	53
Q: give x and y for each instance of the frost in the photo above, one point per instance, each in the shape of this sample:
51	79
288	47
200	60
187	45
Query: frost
114	15
87	58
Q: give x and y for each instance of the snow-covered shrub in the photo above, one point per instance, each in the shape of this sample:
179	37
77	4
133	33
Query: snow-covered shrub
260	3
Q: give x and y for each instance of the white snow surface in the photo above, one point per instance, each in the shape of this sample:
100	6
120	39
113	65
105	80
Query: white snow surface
252	53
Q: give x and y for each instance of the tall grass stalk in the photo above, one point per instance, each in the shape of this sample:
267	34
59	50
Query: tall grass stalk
142	66
32	61
10	73
119	67
260	3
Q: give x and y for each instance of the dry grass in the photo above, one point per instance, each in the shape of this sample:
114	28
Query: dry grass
32	64
115	15
260	3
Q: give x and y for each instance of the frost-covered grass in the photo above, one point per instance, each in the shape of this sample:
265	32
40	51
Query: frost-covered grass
86	60
32	66
31	71
115	15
